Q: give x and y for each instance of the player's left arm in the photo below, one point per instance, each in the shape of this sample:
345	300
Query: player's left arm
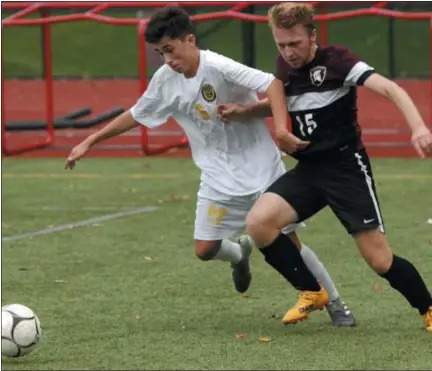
421	135
262	82
259	82
355	72
232	111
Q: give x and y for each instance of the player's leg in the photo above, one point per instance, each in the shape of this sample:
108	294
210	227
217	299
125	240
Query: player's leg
288	200
223	250
340	314
216	222
356	205
237	253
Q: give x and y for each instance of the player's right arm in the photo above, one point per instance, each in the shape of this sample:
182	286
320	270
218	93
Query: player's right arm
118	126
151	110
121	124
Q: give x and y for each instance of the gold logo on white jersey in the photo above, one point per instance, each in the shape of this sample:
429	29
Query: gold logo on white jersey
208	93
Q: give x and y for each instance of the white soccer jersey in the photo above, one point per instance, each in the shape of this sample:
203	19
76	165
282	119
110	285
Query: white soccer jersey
238	158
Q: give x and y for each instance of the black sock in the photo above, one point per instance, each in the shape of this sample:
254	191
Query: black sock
284	256
405	278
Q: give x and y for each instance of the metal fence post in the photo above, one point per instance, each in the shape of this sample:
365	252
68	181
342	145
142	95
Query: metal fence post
248	39
391	45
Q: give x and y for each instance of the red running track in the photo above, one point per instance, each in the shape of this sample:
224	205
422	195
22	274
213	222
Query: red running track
385	131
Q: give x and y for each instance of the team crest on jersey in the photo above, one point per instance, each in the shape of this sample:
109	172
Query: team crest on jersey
208	93
318	75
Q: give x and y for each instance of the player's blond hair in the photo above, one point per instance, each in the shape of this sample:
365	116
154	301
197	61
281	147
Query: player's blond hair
288	15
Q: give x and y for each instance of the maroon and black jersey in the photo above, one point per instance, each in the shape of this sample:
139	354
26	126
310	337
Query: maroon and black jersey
322	99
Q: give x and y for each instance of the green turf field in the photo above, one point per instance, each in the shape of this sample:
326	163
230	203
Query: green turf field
89	48
129	293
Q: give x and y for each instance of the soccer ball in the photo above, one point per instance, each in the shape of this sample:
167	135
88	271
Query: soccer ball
21	331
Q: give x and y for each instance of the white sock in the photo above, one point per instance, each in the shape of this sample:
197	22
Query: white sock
319	271
229	252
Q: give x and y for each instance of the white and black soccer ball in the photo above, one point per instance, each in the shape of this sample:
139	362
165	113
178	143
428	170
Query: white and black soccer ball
21	331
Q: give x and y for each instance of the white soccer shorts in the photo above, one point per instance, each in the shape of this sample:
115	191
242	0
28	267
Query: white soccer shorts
221	217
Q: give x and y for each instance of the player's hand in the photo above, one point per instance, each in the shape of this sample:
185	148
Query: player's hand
230	112
289	143
76	154
422	141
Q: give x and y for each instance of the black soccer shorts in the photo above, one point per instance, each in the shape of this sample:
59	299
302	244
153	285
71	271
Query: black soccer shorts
342	181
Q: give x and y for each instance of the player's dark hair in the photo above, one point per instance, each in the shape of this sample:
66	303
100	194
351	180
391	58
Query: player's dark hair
171	21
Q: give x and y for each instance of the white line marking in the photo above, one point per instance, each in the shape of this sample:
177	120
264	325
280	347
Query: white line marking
83	223
78	208
68	175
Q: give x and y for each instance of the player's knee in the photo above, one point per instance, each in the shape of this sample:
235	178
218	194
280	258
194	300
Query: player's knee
381	260
267	218
259	227
206	250
374	248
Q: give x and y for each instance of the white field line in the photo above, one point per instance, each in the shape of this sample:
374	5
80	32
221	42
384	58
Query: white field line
82	223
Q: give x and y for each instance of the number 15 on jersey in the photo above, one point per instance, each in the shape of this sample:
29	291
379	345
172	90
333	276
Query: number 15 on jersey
307	124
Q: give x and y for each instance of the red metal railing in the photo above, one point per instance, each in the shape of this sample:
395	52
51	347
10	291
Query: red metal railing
93	14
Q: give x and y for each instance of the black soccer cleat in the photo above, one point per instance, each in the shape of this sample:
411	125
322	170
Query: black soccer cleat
241	274
340	314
